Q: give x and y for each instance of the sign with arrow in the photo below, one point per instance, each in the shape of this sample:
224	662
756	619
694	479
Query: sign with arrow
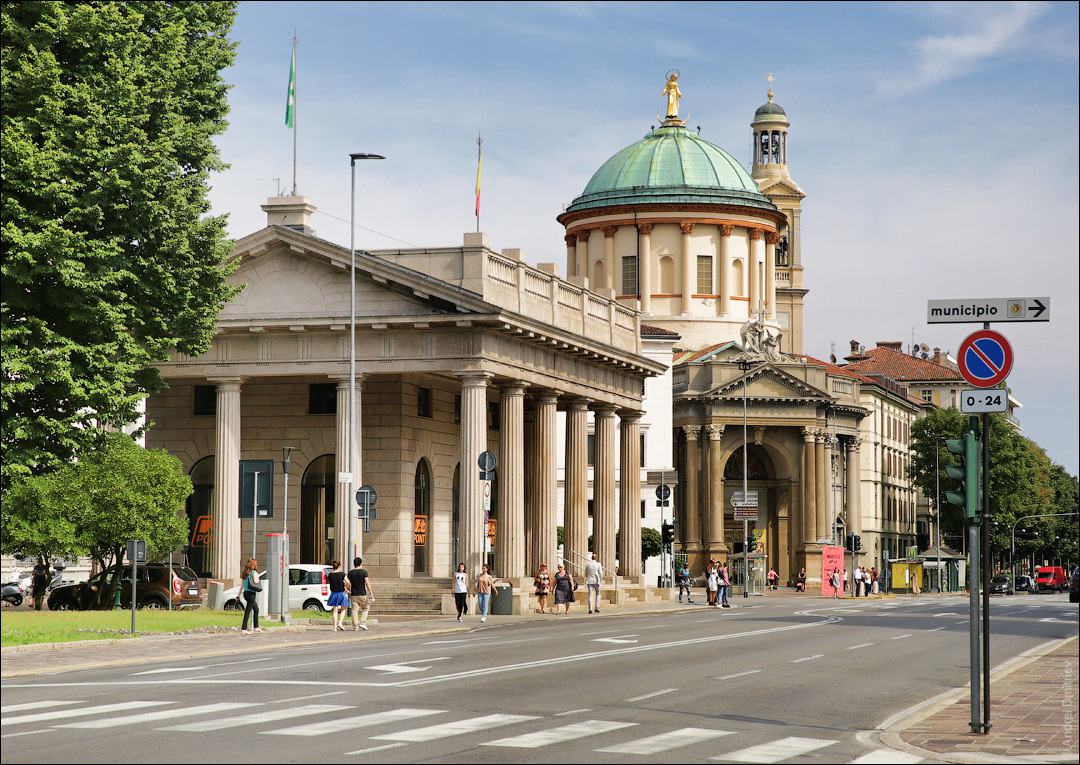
992	309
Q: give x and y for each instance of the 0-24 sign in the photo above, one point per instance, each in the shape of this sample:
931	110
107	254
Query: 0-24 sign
985	400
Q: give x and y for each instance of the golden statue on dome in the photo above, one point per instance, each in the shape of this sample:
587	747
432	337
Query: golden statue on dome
671	90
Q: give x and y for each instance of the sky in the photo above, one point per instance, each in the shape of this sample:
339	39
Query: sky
937	143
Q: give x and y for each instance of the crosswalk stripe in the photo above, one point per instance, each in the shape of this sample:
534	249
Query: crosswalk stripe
774	751
458	728
34	705
560	734
664	741
65	713
161	714
886	756
350	723
269	715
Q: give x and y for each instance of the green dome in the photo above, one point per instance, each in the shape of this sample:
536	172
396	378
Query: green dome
768	110
671	165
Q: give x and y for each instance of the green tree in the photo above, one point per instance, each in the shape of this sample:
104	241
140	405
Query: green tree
109	110
36	521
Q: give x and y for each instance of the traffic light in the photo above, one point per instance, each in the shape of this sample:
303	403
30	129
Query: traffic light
856	543
967	472
751	544
849	542
667	534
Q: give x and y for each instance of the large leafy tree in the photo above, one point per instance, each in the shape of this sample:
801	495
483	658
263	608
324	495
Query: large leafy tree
110	259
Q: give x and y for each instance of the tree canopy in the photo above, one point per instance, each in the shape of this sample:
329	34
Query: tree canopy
110	259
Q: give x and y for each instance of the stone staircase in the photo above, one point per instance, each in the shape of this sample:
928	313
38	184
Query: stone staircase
410	597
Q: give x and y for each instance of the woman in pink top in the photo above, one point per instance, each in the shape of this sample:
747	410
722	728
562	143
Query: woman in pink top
484	583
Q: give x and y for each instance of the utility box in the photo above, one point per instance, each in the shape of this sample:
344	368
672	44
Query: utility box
502	600
215	598
277	573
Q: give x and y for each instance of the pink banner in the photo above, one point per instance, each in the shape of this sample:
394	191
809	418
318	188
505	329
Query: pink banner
831	557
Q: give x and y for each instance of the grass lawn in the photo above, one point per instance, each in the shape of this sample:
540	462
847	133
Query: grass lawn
25	627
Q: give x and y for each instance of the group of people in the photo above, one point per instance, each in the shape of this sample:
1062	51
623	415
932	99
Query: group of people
348	591
866	581
717	585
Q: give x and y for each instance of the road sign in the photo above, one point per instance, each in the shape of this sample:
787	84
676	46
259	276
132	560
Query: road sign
745	513
486	461
663	491
992	309
979	401
366	497
985	358
737	499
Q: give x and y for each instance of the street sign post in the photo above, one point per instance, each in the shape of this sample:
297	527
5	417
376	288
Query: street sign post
738	500
663	495
985	358
993	309
744	513
993	400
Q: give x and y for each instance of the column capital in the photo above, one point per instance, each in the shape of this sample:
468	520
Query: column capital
343	380
714	432
576	404
772	237
725	229
474	379
583	236
603	410
545	396
809	434
513	387
609	231
687	228
692	432
570	239
645	228
630	415
231	382
755	234
853	443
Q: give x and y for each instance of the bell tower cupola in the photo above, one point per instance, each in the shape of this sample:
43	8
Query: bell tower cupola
770	127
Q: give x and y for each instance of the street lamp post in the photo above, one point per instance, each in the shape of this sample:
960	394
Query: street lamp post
744	366
286	463
352	548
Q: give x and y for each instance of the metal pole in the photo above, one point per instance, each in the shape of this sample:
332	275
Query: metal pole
350	512
134	580
937	506
286	451
986	565
745	365
255	515
170	580
973	623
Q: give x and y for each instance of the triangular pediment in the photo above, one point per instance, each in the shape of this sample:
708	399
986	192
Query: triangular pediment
769	382
783	188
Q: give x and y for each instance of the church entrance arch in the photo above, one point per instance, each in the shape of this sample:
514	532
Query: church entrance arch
199	508
317	516
421	517
760	475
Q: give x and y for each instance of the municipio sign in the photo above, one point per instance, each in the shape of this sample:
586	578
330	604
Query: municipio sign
992	309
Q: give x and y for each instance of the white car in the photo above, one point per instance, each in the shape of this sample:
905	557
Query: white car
308	589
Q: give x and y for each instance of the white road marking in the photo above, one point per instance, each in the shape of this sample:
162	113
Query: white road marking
860	645
64	713
665	741
305	698
900	637
807	658
376	748
458	728
654	693
351	723
192	669
601	632
570	712
26	733
558	735
936	629
740	674
621	639
404	666
947	613
35	705
887	757
775	751
161	714
257	717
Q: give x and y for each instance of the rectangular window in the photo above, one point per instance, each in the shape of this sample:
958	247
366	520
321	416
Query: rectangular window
704	275
457	408
642	508
629	275
926	395
423	402
493	415
322	398
641	450
591	448
205	400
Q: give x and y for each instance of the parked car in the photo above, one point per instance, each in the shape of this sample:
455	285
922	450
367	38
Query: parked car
151	591
1001	583
1050	579
308	589
1024	584
1074	586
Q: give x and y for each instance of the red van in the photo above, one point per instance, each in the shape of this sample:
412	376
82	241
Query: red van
1050	579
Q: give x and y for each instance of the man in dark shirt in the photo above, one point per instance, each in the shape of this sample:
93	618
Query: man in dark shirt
360	595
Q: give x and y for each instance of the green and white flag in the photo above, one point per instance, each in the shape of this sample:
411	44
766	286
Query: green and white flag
290	103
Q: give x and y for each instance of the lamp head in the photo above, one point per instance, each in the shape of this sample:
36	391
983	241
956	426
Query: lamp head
354	157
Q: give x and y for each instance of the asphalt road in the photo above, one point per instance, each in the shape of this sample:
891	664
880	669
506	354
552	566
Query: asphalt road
777	680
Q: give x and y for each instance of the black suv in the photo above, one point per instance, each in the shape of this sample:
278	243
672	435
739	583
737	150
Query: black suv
1074	586
151	591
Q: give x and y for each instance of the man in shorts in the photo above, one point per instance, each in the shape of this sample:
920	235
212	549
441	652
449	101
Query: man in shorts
360	595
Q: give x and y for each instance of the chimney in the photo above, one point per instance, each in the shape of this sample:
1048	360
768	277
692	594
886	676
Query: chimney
892	345
937	355
290	212
856	353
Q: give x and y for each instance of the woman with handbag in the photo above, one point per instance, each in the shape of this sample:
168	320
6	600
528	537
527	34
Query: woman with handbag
338	600
252	587
564	588
542	582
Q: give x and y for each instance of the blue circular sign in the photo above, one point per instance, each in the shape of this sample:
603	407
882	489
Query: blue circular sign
985	358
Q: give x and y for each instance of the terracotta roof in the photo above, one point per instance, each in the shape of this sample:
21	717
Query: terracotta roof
683	357
648	329
846	371
901	367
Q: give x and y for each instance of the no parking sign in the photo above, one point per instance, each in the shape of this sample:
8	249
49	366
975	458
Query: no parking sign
985	358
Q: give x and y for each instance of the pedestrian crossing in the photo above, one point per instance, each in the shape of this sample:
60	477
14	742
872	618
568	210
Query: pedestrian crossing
405	726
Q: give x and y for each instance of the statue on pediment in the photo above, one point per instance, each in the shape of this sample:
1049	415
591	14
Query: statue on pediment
760	342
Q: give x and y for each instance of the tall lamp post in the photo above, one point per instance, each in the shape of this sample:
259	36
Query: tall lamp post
744	367
352	351
286	463
937	504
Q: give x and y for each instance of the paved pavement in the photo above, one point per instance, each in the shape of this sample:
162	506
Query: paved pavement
1035	712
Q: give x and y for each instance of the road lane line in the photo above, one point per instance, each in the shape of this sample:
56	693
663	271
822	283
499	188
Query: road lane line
458	728
35	705
601	632
807	658
256	718
26	733
887	757
161	714
936	629
900	637
559	735
64	713
741	674
351	723
375	749
570	712
665	741
305	698
860	645
775	751
654	693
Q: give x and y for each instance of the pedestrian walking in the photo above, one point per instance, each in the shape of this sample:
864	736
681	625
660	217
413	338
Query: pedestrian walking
594	576
725	586
773	578
39	581
873	580
339	599
712	584
461	590
834	580
800	581
564	589
542	582
858	581
915	584
484	583
682	578
360	595
252	587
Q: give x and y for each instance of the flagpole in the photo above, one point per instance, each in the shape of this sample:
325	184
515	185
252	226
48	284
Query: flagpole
294	114
479	165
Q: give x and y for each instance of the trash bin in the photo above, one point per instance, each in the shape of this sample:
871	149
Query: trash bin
215	599
502	600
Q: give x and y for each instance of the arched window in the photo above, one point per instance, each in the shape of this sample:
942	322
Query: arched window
317	515
599	275
199	509
421	516
738	283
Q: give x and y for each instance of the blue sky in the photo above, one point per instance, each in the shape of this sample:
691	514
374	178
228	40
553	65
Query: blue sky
937	143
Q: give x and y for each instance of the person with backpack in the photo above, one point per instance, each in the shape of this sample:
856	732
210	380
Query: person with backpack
251	589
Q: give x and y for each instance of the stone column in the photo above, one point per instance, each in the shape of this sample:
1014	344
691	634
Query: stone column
344	501
473	441
755	259
576	485
605	514
693	467
645	268
724	286
531	497
824	522
809	477
581	262
771	238
689	268
547	481
854	491
630	493
571	254
716	491
510	526
609	259
225	562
